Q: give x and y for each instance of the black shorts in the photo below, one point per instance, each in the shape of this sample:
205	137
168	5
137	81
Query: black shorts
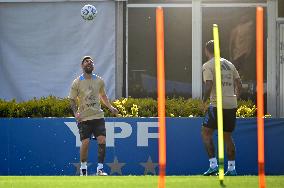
229	119
95	127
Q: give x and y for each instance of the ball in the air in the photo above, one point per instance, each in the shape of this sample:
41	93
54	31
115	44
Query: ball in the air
89	12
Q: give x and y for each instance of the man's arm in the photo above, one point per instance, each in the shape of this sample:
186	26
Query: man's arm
231	44
73	98
105	100
208	88
238	87
74	108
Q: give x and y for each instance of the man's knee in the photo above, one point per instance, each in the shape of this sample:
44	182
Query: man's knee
228	138
206	133
101	139
85	142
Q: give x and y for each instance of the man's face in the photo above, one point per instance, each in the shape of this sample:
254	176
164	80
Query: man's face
88	66
207	54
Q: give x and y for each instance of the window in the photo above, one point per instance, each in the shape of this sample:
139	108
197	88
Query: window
142	52
237	35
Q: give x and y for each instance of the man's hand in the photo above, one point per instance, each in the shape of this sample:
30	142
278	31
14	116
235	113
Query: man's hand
204	107
114	110
74	108
238	87
78	117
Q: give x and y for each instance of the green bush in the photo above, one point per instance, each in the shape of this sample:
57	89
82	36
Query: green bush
52	106
44	107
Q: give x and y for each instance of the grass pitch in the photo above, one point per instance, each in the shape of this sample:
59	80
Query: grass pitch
135	182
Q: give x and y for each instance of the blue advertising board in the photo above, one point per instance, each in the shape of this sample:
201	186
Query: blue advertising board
50	146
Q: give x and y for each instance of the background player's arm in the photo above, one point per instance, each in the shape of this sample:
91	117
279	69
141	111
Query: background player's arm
238	87
208	88
231	44
208	80
237	83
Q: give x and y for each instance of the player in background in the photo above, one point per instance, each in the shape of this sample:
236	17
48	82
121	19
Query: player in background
85	95
231	87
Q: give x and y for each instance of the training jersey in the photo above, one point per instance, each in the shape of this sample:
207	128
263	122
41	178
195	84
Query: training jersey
87	91
228	74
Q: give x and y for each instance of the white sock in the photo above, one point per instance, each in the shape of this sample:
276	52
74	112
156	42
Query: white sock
213	162
83	165
100	166
231	165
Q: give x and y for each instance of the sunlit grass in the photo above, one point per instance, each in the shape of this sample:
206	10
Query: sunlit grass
135	182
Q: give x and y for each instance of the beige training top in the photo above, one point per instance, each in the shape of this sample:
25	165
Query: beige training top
228	73
87	92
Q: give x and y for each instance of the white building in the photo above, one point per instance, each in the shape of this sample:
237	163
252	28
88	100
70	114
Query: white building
122	39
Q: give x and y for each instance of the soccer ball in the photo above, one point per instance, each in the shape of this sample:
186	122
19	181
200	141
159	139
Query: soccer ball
89	12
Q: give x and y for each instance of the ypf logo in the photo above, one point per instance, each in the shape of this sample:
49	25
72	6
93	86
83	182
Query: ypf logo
143	134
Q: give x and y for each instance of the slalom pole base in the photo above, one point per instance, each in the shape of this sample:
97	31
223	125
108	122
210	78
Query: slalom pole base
222	183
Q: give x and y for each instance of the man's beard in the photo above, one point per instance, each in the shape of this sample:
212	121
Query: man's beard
88	71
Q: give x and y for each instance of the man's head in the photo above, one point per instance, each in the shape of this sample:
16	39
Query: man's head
87	64
209	49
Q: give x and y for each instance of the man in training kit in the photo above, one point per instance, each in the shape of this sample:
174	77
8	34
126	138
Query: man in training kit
231	87
87	90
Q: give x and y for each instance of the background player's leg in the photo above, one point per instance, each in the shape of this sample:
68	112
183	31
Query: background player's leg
231	153
207	136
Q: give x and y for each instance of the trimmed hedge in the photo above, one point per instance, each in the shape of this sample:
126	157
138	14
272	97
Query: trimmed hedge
52	106
44	107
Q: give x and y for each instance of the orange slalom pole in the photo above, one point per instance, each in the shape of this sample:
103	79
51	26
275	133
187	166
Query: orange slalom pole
260	103
161	94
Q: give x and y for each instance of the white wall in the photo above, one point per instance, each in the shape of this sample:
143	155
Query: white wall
41	46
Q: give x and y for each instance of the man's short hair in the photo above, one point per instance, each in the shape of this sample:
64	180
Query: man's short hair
210	46
86	57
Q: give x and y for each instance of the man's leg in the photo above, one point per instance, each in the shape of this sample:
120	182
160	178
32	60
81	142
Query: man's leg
230	122
207	137
84	156
231	153
230	146
101	154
